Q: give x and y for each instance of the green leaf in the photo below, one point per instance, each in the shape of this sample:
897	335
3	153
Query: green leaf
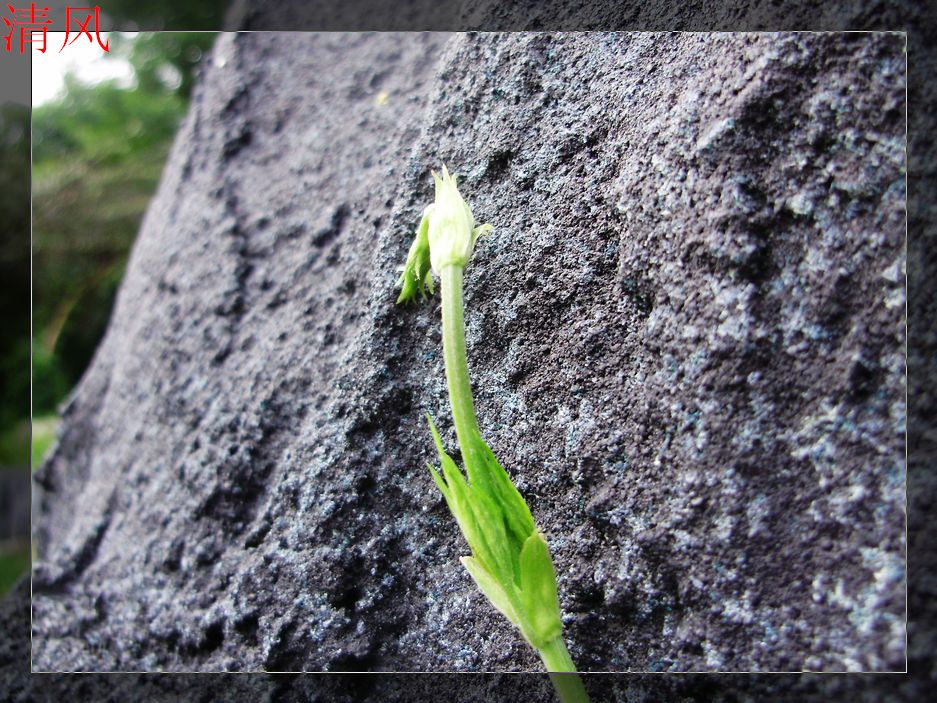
510	559
437	440
416	278
462	502
490	587
441	485
460	505
477	468
516	512
497	551
538	592
479	231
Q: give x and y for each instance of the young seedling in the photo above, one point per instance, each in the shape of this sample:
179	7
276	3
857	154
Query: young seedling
510	560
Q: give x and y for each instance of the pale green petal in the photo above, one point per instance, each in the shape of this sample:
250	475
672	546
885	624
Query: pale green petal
491	589
538	592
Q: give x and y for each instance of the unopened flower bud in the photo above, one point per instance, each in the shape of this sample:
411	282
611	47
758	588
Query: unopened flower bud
452	231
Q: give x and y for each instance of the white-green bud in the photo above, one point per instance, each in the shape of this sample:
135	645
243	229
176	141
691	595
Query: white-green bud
452	231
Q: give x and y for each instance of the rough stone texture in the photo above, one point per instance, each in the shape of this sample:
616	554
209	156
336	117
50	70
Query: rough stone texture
686	335
578	15
17	685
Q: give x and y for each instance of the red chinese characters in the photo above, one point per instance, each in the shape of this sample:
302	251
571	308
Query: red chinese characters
90	13
30	25
29	21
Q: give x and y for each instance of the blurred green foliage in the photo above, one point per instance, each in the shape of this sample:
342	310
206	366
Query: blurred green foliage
43	434
166	60
97	157
14	561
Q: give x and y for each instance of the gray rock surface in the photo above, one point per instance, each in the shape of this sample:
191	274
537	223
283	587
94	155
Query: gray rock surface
686	335
16	685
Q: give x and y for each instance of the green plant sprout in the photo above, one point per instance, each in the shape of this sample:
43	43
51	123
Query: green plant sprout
510	560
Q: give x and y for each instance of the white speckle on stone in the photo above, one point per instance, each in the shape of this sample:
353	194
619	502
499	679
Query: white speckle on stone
224	48
713	134
895	272
801	204
895	299
724	526
757	511
714	658
685	540
738	610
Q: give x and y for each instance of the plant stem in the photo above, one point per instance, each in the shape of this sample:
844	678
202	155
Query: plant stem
555	657
563	674
453	346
